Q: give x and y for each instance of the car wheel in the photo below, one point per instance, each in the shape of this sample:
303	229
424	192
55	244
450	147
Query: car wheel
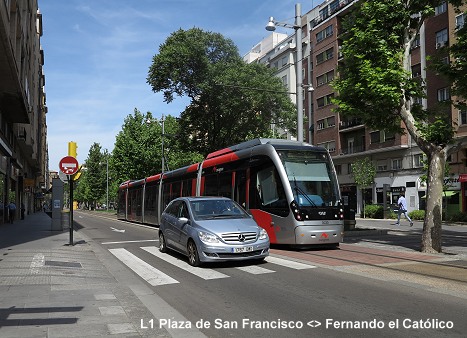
193	257
162	244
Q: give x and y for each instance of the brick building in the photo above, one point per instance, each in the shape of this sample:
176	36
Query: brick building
23	131
398	159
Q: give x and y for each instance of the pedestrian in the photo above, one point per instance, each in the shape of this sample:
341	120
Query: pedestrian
402	204
11	211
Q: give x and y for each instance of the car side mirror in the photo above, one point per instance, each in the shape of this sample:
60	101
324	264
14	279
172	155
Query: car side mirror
183	220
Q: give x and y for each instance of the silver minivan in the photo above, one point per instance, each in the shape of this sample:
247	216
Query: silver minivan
211	229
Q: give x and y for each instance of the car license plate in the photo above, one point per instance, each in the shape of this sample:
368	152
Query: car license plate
242	249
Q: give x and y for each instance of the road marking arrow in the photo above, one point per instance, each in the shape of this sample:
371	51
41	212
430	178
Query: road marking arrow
117	230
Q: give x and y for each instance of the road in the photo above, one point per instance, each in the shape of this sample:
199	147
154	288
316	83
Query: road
325	293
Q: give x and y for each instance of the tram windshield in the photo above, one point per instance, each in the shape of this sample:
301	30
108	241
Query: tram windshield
311	178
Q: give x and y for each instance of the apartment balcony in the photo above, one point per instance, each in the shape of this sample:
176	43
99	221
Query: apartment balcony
350	124
352	150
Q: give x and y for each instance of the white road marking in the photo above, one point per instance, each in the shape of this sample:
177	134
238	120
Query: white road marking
288	263
139	241
37	263
117	230
200	272
255	270
149	273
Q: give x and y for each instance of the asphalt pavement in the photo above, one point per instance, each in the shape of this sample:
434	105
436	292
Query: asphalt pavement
49	288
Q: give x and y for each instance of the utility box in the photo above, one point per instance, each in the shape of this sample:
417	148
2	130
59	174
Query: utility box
57	204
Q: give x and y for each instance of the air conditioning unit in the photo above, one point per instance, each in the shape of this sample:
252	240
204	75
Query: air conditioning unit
440	44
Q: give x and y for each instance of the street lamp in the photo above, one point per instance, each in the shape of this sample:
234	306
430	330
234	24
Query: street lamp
107	178
271	26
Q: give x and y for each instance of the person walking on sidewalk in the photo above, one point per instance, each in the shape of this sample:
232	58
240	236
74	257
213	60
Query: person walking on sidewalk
11	211
402	203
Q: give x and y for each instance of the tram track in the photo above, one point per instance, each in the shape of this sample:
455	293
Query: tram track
418	264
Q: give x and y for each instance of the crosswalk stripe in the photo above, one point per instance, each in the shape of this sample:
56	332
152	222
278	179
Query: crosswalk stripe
149	273
255	270
289	264
200	272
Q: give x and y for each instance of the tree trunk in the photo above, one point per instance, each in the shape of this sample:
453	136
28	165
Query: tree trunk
431	238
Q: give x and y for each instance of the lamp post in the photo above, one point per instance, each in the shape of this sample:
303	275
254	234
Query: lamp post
107	181
271	26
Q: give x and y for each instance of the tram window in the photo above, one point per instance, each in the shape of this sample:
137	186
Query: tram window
150	204
267	192
218	185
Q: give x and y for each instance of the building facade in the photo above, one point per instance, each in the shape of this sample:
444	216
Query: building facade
23	128
398	160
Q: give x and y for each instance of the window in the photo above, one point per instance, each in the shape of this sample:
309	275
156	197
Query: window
441	38
324	13
389	136
325	78
330	146
416	42
417	70
396	164
381	165
418	160
443	7
327	32
462	116
324	56
375	137
326	123
284	80
284	61
334	5
460	19
338	169
325	100
443	94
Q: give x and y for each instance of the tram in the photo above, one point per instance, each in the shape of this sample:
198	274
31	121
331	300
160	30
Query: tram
289	187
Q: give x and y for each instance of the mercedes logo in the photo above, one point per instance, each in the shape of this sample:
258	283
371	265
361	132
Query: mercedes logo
241	238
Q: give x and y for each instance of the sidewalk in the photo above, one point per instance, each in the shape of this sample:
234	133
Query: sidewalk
51	289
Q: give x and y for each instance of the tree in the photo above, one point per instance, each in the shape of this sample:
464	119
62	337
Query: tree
93	183
364	173
376	85
231	101
138	148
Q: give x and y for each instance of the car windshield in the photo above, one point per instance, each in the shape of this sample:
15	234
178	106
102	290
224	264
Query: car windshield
209	209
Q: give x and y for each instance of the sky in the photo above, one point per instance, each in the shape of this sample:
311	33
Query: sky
98	52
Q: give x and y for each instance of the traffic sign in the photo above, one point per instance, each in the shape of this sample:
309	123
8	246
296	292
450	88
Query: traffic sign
68	165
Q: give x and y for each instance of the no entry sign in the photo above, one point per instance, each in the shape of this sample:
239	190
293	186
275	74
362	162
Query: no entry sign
68	165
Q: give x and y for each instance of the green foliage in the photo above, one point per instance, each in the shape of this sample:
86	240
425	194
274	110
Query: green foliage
138	148
374	211
363	172
457	217
418	215
231	101
93	183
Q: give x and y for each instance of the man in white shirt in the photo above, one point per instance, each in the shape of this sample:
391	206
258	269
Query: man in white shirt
402	204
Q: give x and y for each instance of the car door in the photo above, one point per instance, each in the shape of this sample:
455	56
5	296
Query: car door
182	227
169	219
